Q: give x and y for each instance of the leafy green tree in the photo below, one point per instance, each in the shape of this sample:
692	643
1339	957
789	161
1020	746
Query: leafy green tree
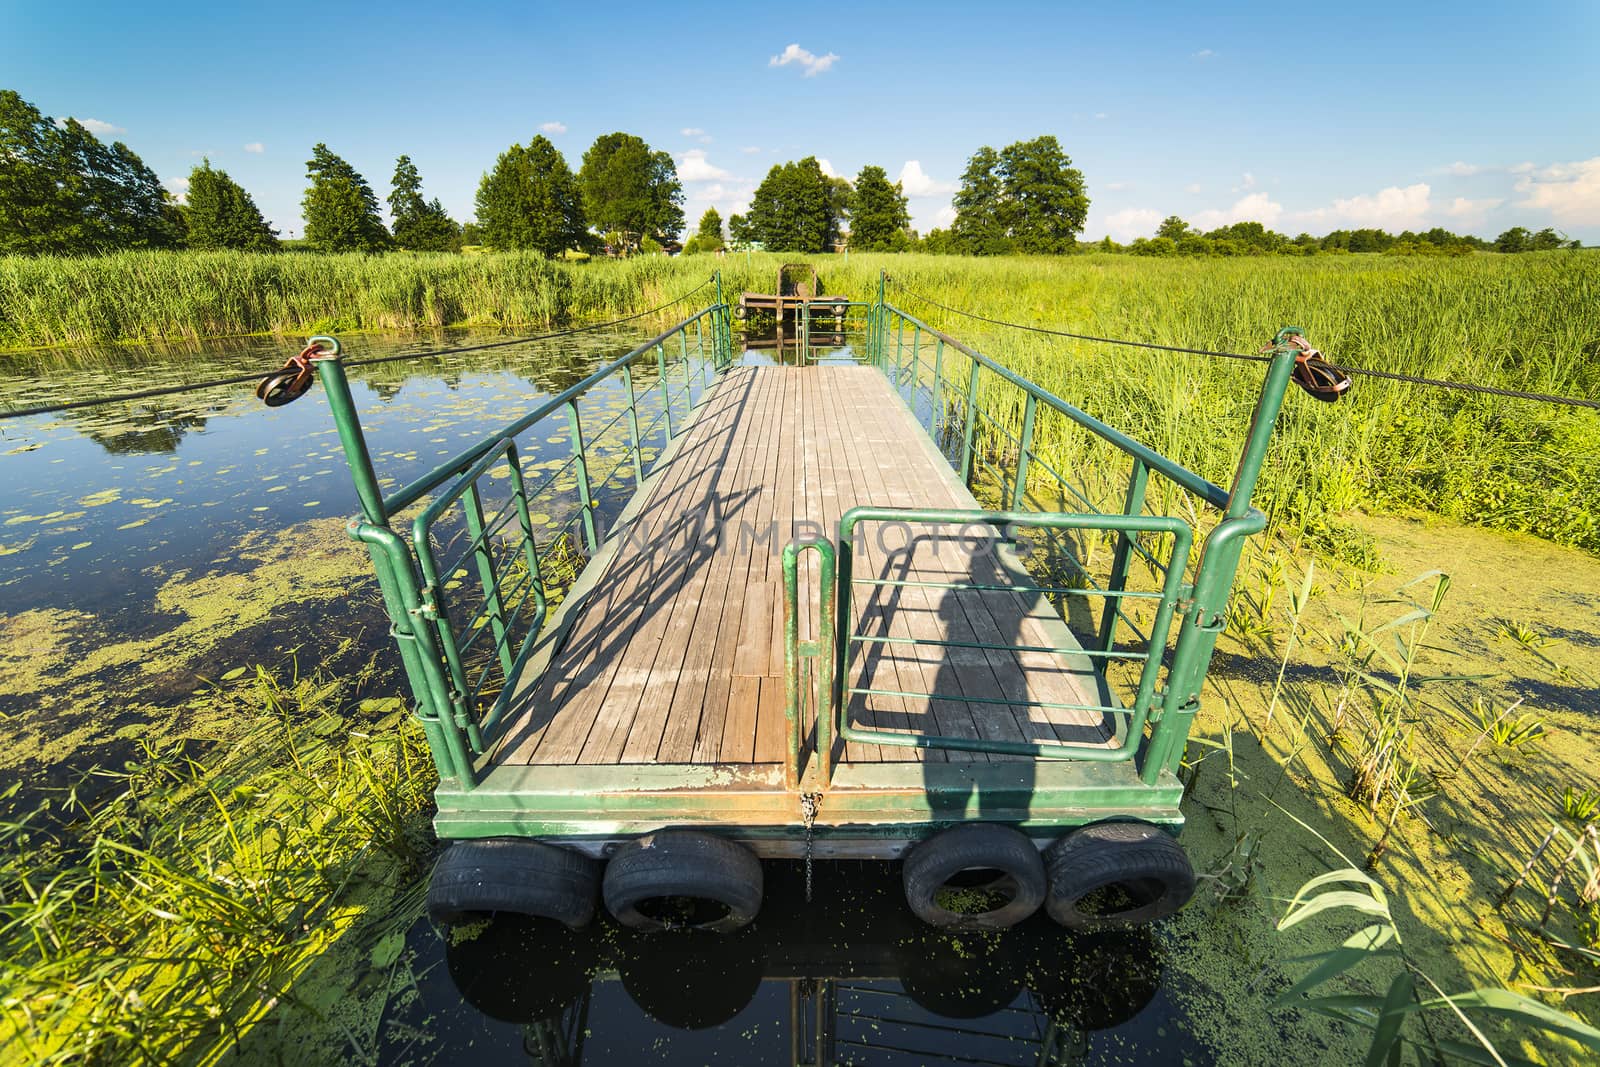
419	225
221	214
979	229
1045	203
62	190
471	234
739	233
1516	239
531	200
630	188
878	216
340	208
1546	240
1173	228
710	228
796	208
708	238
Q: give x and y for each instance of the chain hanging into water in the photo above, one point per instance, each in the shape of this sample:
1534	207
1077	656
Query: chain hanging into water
240	379
1466	387
810	804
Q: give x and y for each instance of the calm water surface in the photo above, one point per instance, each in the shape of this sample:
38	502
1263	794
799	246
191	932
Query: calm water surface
100	508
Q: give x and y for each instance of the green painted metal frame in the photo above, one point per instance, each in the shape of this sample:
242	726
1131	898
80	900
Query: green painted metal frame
892	803
414	581
1203	600
1134	717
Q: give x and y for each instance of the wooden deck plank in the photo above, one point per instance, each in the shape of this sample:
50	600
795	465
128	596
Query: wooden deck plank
677	655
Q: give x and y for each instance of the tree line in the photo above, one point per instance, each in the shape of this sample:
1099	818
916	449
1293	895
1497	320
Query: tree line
64	191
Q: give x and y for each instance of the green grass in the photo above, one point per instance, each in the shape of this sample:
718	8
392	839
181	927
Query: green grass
1524	322
207	886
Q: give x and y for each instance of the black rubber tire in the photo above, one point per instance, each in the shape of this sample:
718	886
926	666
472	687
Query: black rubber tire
518	875
1144	871
720	879
937	862
741	312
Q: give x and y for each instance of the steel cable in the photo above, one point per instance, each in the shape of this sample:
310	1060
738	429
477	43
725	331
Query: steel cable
1467	387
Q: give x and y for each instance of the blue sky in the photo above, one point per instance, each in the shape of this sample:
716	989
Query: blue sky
1474	117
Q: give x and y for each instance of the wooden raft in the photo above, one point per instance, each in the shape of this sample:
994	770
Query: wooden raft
674	654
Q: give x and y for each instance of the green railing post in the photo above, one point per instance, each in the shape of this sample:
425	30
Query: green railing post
688	382
700	349
938	392
581	466
1219	560
821	650
916	369
899	350
1019	486
330	372
636	445
1122	557
666	390
972	425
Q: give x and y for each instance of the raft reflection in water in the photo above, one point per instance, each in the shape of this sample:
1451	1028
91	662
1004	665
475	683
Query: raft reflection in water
866	980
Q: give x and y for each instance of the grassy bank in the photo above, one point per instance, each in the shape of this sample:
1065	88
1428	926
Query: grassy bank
1525	322
221	881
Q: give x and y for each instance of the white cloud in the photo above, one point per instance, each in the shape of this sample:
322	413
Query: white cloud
1101	115
1257	207
1391	209
1521	168
553	127
1463	170
1132	222
694	167
1570	192
695	133
255	148
178	187
812	63
1471	212
1117	187
1192	188
914	181
1204	53
827	168
1248	181
751	150
94	126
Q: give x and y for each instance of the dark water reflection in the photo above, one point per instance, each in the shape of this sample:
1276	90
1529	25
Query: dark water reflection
850	978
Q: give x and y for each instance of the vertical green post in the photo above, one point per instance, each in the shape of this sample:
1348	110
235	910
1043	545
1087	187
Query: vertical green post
916	369
581	466
899	349
635	445
330	372
1019	486
683	354
700	350
666	391
972	425
938	393
1219	560
1122	557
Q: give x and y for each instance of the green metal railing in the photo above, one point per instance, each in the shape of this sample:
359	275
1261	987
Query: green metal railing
469	592
979	444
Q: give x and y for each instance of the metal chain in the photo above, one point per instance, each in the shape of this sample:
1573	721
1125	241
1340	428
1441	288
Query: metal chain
810	804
